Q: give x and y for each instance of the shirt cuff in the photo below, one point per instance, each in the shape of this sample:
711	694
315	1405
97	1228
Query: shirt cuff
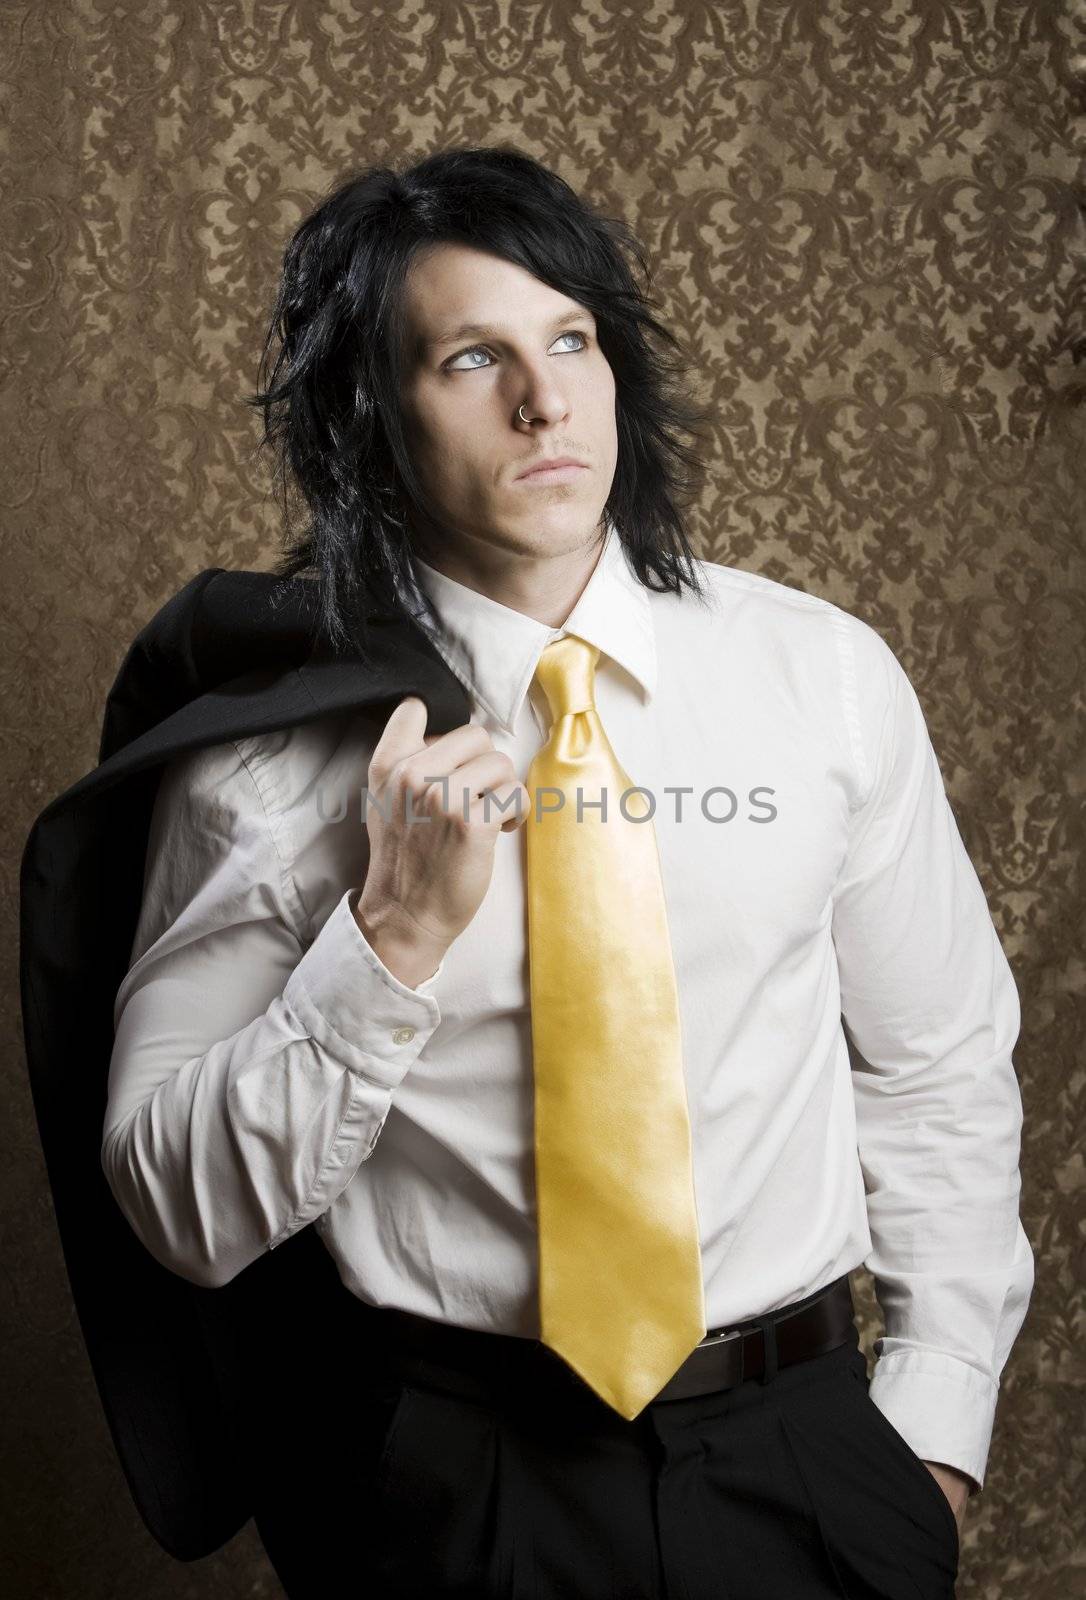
355	1008
943	1408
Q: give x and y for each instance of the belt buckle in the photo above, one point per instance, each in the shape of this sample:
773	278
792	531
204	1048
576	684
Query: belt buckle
712	1339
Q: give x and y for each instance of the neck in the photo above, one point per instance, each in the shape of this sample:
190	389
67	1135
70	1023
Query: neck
545	587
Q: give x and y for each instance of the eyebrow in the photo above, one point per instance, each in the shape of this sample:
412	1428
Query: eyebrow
479	330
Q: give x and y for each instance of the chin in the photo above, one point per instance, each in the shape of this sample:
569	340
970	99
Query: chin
570	525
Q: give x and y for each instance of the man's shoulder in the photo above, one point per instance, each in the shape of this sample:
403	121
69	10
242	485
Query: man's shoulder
732	580
772	603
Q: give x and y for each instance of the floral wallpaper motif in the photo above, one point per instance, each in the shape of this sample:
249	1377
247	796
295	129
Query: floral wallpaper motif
866	220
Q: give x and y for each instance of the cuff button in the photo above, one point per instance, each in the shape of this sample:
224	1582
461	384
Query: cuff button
403	1036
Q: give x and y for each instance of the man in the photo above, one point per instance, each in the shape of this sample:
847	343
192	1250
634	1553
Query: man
593	1115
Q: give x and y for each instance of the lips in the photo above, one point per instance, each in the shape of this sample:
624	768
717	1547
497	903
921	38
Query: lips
550	464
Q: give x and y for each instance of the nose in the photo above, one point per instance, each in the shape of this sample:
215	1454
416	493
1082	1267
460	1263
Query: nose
542	401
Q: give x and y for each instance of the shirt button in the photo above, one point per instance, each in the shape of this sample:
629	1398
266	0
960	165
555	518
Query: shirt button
403	1036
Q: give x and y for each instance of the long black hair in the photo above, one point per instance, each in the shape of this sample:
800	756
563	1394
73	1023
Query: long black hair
331	404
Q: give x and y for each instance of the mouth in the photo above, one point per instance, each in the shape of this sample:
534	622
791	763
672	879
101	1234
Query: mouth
561	471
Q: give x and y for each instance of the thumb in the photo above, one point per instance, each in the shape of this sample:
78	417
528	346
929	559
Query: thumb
402	734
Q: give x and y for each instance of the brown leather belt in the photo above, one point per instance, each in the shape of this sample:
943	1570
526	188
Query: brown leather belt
473	1360
728	1356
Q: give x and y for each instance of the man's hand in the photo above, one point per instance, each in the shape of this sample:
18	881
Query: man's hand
956	1485
430	862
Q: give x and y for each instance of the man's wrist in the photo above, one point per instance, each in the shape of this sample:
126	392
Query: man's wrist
955	1484
408	956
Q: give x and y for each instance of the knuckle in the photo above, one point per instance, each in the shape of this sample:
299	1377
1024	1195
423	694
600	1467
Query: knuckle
409	774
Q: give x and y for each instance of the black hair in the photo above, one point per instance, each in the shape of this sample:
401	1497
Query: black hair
331	404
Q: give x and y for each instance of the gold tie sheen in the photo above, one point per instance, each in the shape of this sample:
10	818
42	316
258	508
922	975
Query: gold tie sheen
621	1297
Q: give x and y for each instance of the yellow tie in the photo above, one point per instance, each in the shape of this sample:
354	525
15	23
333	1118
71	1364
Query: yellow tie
621	1298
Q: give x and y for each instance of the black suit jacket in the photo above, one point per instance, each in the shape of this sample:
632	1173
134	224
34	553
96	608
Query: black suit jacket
197	1384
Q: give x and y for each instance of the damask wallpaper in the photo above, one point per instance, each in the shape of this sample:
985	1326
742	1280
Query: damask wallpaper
866	224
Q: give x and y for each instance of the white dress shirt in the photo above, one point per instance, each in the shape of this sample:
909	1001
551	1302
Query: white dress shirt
848	1014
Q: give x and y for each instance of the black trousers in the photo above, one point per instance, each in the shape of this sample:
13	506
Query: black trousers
428	1482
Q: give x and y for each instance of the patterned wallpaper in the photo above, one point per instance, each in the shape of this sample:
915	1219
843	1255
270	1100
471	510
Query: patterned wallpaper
866	219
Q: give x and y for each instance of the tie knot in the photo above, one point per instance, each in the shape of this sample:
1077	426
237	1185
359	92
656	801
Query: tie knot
566	673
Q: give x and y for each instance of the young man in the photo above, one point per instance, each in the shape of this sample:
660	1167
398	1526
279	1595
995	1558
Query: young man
595	1103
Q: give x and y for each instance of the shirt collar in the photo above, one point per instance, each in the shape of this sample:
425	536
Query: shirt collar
494	650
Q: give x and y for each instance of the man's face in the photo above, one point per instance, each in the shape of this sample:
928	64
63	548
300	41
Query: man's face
461	394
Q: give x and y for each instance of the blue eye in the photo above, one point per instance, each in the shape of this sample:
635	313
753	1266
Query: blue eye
480	349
